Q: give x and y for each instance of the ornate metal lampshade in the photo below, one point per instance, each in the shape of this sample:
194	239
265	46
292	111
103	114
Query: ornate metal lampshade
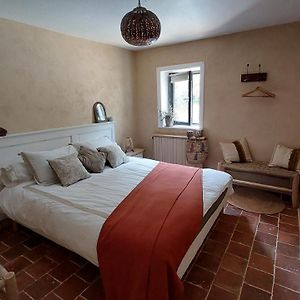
140	27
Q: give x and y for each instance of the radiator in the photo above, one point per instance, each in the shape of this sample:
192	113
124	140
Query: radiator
170	148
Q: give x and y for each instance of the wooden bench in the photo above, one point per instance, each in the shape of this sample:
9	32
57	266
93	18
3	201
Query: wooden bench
259	175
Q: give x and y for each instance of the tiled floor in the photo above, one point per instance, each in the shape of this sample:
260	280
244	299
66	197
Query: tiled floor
246	256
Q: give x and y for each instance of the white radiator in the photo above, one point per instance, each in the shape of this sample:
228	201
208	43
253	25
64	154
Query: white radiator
170	148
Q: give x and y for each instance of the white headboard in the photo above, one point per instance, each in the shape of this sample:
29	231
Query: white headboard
13	144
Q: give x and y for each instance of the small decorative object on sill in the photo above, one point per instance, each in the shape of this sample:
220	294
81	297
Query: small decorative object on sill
128	145
168	116
196	151
190	134
3	132
140	27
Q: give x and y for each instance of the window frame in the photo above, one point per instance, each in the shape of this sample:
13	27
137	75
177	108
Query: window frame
163	86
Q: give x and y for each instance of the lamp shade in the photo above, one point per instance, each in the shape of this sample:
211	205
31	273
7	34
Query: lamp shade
140	27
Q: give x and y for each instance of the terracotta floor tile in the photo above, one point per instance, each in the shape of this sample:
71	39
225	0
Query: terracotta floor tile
208	261
71	288
3	247
18	264
259	279
42	287
41	267
252	293
290	212
288	250
287	279
3	261
78	260
233	211
289	220
64	270
262	263
36	253
234	264
192	292
201	277
34	241
264	249
281	293
246	228
267	228
24	296
14	252
288	263
269	220
224	227
214	248
229	218
287	238
229	281
248	219
239	250
219	236
59	254
266	238
51	296
242	238
217	293
96	291
11	238
251	214
88	273
289	228
24	280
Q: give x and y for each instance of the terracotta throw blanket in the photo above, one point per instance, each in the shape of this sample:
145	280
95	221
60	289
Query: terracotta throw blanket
142	243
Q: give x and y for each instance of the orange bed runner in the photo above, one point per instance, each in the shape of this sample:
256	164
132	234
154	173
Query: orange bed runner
142	243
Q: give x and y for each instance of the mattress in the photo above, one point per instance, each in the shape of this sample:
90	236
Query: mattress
73	216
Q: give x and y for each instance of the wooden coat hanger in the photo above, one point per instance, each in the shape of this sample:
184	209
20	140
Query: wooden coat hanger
264	92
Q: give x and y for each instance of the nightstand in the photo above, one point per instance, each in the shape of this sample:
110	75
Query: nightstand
138	152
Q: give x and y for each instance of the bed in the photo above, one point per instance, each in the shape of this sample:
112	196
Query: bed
76	214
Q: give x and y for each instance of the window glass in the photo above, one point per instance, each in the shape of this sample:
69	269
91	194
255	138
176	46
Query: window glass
196	99
181	101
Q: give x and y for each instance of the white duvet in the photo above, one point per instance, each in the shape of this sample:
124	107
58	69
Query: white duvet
73	216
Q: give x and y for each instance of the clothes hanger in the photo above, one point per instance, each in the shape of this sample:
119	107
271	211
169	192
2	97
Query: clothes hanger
265	93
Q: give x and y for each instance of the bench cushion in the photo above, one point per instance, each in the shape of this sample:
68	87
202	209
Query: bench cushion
259	168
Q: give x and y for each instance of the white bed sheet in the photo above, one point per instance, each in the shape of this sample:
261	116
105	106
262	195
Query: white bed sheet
73	216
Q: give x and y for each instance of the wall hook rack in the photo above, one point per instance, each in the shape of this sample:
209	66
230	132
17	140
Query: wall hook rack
254	77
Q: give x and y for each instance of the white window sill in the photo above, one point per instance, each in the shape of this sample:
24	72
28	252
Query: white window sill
178	127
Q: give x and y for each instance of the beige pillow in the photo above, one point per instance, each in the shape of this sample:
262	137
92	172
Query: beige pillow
15	173
237	151
115	155
94	144
92	160
69	169
38	163
285	157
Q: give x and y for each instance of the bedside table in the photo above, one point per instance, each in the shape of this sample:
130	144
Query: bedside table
138	152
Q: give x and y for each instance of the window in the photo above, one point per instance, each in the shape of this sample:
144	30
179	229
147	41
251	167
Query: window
180	89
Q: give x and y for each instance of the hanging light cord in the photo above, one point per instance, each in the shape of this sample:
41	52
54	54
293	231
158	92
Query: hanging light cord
139	3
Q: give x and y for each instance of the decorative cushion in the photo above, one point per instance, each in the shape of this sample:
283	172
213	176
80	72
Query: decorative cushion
285	157
38	163
115	155
15	173
92	160
94	144
237	151
69	169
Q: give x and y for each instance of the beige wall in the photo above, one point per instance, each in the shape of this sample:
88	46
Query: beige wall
227	116
51	80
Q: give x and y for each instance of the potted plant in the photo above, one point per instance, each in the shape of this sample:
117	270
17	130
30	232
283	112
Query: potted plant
168	116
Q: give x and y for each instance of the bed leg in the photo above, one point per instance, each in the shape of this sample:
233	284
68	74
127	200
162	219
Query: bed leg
295	192
15	226
11	286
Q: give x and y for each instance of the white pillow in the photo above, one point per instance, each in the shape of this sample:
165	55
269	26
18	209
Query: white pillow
281	157
115	155
236	151
230	153
15	173
93	144
38	162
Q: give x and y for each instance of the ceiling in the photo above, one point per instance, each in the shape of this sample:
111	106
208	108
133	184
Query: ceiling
182	20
